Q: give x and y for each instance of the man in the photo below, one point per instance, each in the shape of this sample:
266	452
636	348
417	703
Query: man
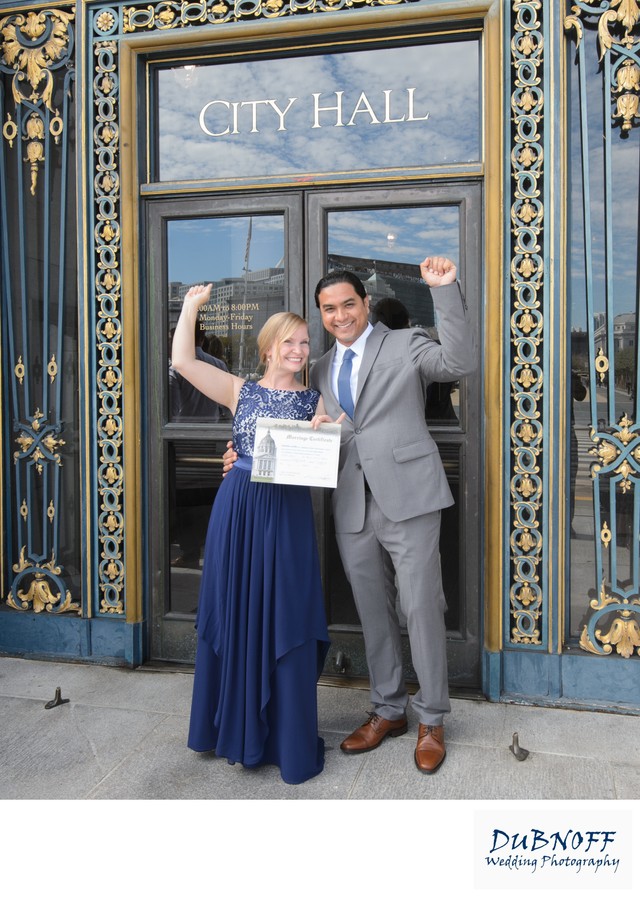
391	489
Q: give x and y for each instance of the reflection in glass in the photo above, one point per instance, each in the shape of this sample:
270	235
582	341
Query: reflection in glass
331	112
602	380
384	247
194	475
243	257
185	401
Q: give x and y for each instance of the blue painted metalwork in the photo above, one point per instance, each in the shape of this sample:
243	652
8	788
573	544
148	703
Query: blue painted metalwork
616	438
36	44
555	410
526	619
106	281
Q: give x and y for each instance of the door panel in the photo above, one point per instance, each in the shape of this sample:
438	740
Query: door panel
382	235
250	249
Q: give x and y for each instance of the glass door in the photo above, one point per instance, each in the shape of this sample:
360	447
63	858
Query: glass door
250	250
383	235
264	254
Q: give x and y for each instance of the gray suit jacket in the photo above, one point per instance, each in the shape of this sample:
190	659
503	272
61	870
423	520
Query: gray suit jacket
388	442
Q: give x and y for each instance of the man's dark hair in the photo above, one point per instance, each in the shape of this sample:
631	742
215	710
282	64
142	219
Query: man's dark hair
340	275
391	312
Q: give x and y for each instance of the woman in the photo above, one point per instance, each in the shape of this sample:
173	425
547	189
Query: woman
262	633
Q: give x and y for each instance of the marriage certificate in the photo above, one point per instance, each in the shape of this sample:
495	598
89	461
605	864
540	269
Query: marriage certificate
292	452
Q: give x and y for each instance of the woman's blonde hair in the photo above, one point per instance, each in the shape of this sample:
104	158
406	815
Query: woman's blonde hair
276	330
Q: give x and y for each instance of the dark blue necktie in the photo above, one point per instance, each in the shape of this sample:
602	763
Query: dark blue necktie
344	383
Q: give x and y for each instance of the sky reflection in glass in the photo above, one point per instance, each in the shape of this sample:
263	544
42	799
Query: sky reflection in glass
398	107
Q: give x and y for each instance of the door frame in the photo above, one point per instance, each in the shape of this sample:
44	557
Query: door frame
305	211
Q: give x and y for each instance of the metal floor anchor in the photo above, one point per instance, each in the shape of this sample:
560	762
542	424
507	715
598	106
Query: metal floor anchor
57	700
518	752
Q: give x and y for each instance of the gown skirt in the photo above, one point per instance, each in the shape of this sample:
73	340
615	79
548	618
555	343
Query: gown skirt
262	633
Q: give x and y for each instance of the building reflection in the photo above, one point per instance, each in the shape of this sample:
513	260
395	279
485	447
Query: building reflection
601	507
233	318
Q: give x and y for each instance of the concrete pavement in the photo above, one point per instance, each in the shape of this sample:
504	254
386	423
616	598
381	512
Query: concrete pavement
122	735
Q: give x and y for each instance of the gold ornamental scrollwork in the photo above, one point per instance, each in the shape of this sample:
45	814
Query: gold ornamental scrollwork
601	364
623	631
52	368
168	15
9	130
33	45
618	458
19	370
527	605
618	24
613	620
40	583
39	442
107	280
617	452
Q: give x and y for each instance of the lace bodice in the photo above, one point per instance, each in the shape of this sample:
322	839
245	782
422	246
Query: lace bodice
257	401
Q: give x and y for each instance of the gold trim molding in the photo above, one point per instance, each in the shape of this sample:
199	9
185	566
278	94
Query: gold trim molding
166	16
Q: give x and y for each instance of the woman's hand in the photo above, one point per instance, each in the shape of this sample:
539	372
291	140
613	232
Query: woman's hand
318	419
198	294
229	458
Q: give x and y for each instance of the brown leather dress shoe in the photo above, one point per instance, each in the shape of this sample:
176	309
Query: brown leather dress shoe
370	734
430	751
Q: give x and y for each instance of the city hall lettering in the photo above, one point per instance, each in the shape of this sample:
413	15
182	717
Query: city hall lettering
220	118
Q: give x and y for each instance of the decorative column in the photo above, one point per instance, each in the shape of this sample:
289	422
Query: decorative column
528	604
39	305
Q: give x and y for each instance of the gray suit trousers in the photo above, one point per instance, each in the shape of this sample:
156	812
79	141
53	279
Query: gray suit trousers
409	549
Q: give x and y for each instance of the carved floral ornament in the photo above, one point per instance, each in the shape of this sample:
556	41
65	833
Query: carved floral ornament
33	44
624	630
617	35
183	13
40	595
618	453
38	442
527	605
110	482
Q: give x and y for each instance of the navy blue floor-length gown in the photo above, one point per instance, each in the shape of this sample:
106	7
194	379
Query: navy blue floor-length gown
262	632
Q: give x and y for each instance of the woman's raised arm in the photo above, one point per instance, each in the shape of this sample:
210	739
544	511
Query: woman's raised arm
219	385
